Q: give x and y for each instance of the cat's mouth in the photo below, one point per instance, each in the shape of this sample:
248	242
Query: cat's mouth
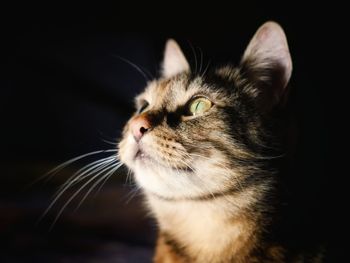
146	159
141	155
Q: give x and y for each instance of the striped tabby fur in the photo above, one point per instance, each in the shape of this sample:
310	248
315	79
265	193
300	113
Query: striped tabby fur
209	179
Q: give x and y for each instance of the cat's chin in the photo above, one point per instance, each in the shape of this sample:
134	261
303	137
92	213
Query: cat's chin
141	156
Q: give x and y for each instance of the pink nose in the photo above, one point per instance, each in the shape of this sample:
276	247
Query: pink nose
139	126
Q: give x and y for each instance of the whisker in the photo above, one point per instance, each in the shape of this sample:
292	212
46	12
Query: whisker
133	193
72	197
108	139
269	157
128	177
203	184
222	165
82	177
58	168
195	58
187	165
142	72
98	181
79	175
186	162
109	174
206	68
61	191
201	61
110	142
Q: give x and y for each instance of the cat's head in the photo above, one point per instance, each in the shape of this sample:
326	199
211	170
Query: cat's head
199	134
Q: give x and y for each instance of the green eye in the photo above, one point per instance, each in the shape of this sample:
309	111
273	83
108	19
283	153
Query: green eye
199	106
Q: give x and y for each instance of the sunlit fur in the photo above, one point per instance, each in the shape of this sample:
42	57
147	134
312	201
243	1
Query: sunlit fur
192	157
209	179
199	157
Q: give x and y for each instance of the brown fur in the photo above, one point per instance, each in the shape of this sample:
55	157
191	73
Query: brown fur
208	178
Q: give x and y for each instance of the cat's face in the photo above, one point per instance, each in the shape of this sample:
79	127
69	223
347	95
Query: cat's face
188	127
197	135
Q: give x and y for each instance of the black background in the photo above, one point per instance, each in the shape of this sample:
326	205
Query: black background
65	92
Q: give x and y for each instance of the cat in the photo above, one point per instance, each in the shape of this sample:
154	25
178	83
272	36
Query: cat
202	148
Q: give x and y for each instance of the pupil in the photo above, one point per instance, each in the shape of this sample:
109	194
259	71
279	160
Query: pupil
197	106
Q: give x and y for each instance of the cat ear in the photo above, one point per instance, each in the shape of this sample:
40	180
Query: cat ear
174	61
267	61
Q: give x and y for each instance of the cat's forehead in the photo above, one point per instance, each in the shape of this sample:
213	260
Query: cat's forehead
170	93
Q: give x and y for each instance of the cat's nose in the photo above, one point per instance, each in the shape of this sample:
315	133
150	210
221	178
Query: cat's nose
139	126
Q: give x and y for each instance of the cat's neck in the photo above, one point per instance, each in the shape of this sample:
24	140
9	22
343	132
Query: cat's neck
208	229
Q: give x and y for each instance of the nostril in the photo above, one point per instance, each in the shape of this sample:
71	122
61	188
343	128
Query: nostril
140	125
143	130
